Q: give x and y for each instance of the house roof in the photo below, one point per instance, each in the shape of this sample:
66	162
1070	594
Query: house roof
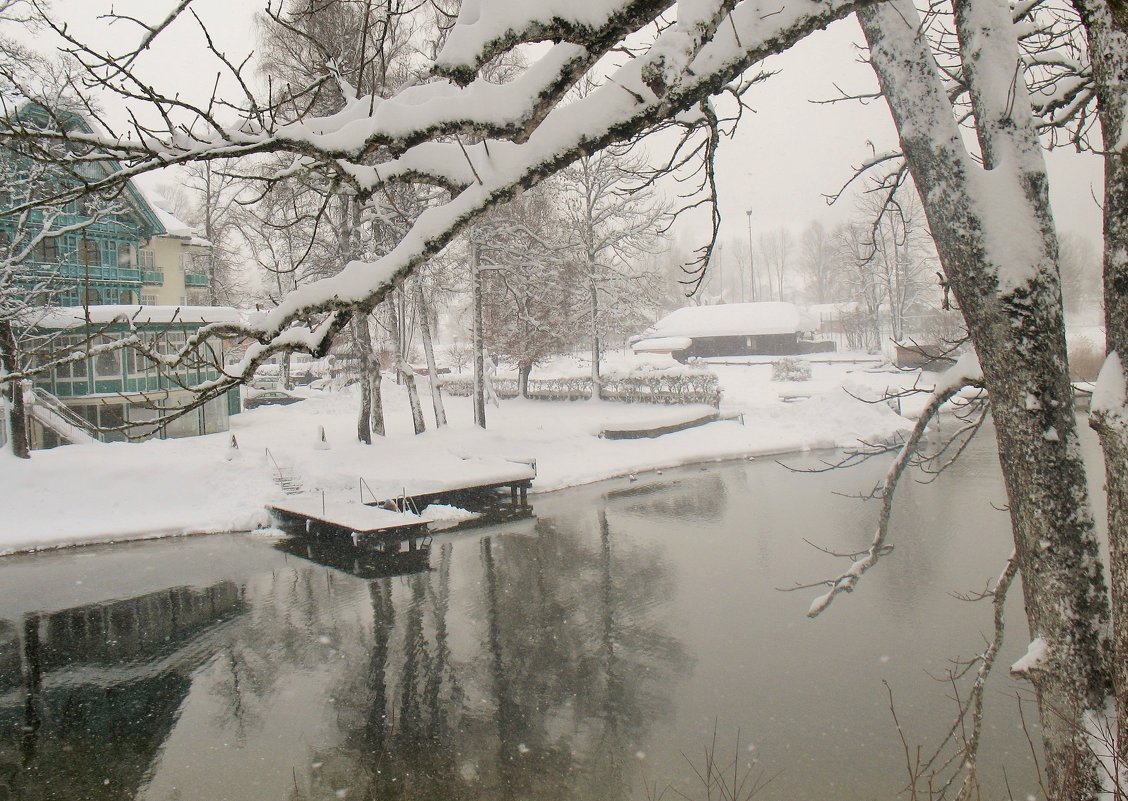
731	319
661	344
145	210
173	225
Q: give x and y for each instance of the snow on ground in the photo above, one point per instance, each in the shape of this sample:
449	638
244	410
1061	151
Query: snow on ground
102	493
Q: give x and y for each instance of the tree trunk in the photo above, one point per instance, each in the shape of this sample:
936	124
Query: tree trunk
524	369
479	357
17	415
371	419
1108	49
363	340
596	380
403	369
1013	312
429	350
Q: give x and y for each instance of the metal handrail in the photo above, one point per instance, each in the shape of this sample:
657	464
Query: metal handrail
277	467
69	416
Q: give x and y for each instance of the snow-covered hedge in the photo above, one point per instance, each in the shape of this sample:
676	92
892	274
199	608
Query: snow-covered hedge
791	369
649	386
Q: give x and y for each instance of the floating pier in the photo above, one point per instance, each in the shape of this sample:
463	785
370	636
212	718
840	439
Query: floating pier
384	517
329	515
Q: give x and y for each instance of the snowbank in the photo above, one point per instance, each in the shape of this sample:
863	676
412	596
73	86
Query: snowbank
106	493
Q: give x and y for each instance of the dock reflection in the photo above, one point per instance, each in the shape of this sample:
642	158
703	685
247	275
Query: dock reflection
365	562
92	692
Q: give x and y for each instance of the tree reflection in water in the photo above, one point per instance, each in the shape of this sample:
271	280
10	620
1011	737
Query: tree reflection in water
567	669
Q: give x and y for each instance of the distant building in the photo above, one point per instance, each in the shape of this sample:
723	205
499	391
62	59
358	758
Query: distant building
732	329
88	399
139	254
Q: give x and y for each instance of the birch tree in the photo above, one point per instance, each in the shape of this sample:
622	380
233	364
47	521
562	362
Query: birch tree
613	222
994	232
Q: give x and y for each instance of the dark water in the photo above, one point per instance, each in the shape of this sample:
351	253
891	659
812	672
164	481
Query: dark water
589	653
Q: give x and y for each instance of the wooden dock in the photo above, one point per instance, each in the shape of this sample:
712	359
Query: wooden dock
465	480
331	515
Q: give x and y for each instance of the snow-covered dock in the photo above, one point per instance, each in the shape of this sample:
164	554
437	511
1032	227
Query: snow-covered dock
333	514
443	478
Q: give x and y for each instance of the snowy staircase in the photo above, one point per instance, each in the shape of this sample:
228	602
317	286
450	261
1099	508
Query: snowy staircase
52	413
284	477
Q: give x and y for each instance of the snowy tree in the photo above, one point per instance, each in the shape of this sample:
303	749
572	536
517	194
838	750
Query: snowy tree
483	142
529	279
1080	263
776	253
994	232
614	220
817	255
212	193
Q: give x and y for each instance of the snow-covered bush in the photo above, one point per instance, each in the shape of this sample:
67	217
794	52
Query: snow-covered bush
640	386
790	368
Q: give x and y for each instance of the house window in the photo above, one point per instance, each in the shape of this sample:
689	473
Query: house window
148	300
91	253
107	365
145	258
91	297
125	255
47	250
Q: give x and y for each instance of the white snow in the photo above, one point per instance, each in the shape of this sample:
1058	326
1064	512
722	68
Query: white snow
1110	395
1035	655
443	513
732	319
75	316
99	493
661	344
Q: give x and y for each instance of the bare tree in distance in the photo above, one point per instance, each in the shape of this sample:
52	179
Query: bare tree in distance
775	260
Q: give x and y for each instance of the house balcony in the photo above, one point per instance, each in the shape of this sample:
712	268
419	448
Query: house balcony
81	272
195	279
152	278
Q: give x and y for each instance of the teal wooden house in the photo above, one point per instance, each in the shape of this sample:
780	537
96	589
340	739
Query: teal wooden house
122	394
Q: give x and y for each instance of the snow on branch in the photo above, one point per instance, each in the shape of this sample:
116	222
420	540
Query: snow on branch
964	373
511	135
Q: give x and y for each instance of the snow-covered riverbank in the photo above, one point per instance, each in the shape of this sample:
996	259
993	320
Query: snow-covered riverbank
107	493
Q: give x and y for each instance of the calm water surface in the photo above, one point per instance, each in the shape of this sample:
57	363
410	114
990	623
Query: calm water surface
590	652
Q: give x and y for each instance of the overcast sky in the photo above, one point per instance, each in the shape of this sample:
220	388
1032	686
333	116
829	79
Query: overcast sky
781	162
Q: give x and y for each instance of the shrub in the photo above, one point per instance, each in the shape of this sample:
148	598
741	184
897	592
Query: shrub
790	369
651	386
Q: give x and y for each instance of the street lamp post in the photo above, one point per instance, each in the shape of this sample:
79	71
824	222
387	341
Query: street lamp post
751	258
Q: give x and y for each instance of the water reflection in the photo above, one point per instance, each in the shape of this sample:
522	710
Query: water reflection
96	689
702	500
359	561
573	655
548	693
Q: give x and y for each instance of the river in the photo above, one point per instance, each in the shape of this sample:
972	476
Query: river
598	650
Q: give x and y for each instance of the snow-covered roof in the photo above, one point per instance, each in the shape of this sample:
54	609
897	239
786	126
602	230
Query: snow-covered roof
661	344
173	225
76	316
731	319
